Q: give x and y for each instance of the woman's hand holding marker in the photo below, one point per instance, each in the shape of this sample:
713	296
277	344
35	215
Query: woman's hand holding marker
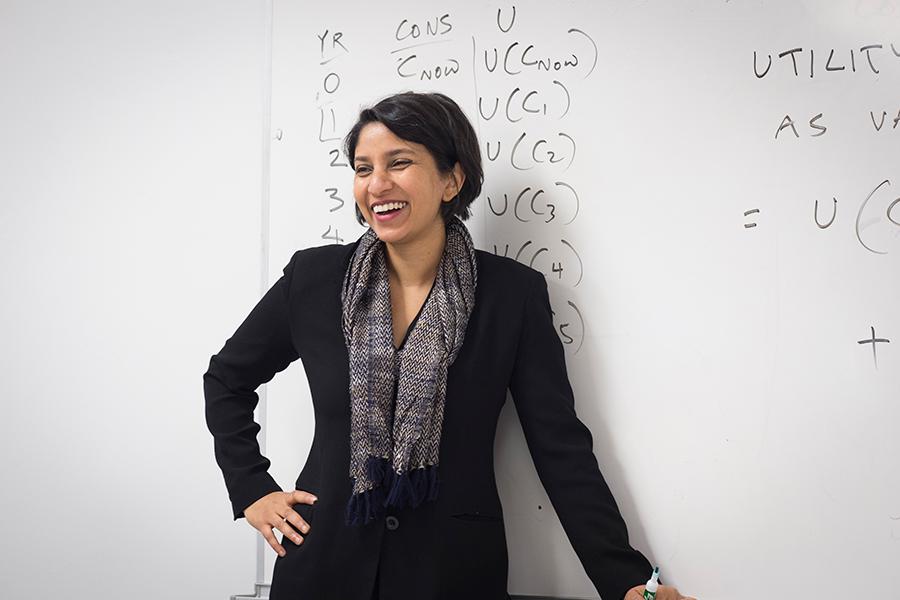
653	591
665	592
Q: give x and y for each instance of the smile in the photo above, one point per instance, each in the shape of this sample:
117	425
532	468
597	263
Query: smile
388	207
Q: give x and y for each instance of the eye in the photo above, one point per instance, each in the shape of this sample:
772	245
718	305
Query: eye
361	170
402	162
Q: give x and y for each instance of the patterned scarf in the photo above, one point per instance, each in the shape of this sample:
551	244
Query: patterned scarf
394	446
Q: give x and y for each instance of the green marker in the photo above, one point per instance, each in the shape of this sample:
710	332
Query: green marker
652	585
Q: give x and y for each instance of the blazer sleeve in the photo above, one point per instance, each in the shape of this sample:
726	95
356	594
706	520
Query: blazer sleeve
562	449
259	348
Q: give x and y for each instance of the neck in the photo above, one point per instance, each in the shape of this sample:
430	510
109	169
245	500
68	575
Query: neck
414	264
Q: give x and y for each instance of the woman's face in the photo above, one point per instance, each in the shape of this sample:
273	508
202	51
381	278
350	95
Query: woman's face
388	170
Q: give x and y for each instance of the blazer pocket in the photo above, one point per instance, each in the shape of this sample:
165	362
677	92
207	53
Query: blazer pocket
477	516
307	512
293	551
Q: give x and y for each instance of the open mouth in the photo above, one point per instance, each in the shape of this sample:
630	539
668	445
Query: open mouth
388	211
388	208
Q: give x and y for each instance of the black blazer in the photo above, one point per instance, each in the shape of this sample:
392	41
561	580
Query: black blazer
454	547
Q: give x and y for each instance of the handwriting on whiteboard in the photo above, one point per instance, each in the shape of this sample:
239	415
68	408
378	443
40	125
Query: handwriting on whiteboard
877	208
804	63
332	48
500	59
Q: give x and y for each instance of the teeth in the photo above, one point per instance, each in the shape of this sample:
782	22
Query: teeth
386	207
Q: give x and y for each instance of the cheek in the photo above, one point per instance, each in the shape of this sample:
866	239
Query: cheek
359	194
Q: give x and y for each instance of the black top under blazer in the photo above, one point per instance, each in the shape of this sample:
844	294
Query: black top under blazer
454	547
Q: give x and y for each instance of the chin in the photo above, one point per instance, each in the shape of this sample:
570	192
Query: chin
392	235
389	237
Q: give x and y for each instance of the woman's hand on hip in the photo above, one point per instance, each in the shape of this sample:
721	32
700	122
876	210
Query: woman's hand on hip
664	592
273	511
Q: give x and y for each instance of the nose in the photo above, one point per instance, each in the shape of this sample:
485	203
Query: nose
379	182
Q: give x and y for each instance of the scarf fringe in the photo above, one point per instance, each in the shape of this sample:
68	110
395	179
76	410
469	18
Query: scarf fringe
409	489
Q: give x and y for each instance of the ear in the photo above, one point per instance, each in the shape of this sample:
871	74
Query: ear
457	179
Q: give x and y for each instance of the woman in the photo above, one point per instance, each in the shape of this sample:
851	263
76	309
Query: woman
410	338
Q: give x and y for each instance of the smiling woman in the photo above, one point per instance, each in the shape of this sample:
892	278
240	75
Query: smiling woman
399	188
411	338
428	129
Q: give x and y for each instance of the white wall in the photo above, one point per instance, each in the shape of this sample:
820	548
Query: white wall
130	188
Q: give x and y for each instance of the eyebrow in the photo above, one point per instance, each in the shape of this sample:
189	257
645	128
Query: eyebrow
390	153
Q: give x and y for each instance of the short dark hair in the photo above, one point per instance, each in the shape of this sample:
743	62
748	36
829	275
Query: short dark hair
438	123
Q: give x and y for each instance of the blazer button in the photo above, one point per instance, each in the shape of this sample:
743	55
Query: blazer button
392	522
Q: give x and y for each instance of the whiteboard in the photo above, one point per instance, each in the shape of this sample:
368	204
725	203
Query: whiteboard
711	189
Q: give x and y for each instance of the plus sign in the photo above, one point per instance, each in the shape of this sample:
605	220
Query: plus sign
872	341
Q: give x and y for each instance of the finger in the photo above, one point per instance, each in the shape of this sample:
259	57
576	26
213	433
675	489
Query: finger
270	537
290	535
303	497
680	597
294	518
671	592
288	532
